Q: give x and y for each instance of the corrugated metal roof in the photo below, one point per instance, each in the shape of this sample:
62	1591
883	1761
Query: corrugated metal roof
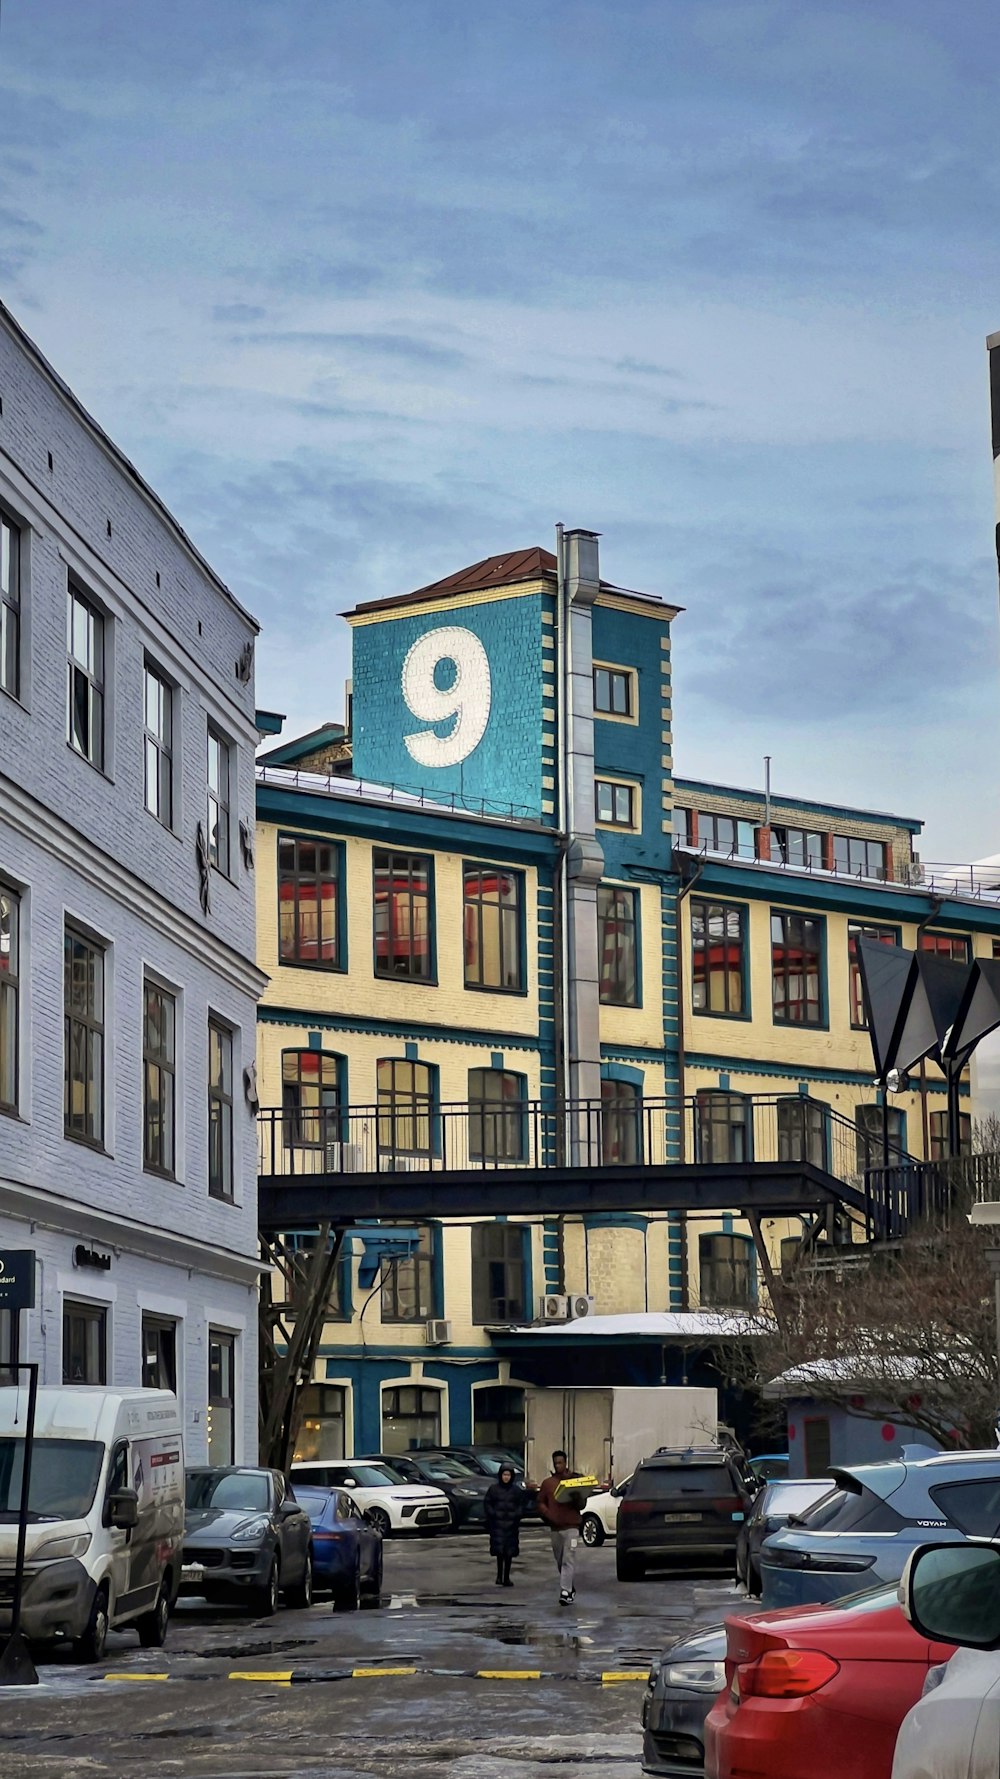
507	570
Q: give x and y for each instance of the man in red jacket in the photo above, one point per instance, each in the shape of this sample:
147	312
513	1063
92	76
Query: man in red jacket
563	1522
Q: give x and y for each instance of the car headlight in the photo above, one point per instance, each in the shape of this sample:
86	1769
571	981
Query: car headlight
57	1548
254	1528
698	1677
467	1494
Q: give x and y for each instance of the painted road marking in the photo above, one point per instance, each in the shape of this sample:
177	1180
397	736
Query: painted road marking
124	1676
282	1677
615	1676
305	1677
370	1673
508	1674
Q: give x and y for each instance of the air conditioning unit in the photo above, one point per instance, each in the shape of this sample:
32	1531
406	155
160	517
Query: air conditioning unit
437	1334
581	1305
344	1158
553	1307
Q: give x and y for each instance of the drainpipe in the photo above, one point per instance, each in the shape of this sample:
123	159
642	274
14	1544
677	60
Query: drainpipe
562	885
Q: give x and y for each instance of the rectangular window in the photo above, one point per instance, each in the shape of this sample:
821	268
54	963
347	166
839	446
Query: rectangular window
614	692
408	1285
309	903
10	971
220	1110
219	775
856	931
725	834
718	957
83	1062
221	1397
159	1353
950	945
497	1108
796	966
498	1273
868	1123
618	951
859	858
85	1343
614	803
10	607
324	1416
938	1133
405	1103
726	1272
797	846
621	1126
493	916
816	1444
498	1416
85	678
159	1067
411	1417
681	826
724	1131
158	745
802	1128
402	893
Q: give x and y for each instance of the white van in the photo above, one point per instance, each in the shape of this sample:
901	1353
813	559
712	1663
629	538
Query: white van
106	1513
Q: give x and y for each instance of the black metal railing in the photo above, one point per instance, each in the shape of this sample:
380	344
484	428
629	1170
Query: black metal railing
903	1195
712	1128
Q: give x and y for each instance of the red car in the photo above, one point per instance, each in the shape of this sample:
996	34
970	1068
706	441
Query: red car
815	1690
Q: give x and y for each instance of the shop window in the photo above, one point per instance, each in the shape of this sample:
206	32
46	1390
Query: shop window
322	1426
411	1417
85	1343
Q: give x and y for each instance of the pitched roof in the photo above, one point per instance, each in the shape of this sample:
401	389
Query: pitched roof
506	570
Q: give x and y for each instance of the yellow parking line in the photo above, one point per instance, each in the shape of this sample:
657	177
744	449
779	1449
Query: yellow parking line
509	1674
614	1676
370	1673
282	1677
124	1676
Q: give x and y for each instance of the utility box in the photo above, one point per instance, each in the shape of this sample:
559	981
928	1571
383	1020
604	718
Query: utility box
606	1431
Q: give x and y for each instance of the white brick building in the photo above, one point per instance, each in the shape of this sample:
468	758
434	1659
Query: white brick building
127	1144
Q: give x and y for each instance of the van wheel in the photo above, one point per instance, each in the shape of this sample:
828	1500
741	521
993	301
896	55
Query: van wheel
627	1569
152	1626
591	1530
266	1601
90	1647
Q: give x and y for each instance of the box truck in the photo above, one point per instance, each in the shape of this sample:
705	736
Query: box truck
105	1513
607	1430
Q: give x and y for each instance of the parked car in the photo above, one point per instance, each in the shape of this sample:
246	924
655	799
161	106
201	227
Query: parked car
773	1506
246	1539
863	1530
388	1502
600	1519
485	1460
680	1692
465	1488
770	1467
682	1507
347	1548
953	1731
816	1691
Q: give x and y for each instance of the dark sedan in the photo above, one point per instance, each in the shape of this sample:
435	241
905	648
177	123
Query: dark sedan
246	1540
465	1487
682	1688
486	1460
347	1548
773	1507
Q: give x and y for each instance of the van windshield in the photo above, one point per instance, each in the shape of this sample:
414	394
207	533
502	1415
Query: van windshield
64	1478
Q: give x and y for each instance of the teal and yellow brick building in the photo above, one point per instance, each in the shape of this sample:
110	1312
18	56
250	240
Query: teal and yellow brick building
511	904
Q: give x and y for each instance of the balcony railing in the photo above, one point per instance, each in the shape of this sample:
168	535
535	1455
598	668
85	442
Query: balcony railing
714	1128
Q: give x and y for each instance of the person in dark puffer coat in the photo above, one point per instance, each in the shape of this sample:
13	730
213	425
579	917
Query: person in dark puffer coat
503	1507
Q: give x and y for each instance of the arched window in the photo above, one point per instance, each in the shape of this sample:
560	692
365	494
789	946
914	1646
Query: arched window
802	1125
496	1115
405	1106
310	1098
723	1126
621	1128
411	1417
727	1274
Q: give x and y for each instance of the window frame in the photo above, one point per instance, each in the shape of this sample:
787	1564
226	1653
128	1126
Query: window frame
715	816
946	948
740	1258
616	671
850	870
709	1099
321	1115
220	799
94	676
631	822
165	1065
422	1269
813	1132
220	1096
419	1388
937	1136
151	1323
480	1263
11	603
413	898
615	890
91	1315
621	1112
159	743
94	1027
726	908
226	1342
510	1114
477	905
862	929
10	1002
785	916
872	1138
337	965
391	1106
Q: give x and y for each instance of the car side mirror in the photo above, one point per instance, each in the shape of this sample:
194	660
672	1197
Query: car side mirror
951	1594
618	1490
123	1510
288	1507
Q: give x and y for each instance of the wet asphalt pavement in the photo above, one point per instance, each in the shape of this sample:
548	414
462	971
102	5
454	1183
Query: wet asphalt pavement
509	1685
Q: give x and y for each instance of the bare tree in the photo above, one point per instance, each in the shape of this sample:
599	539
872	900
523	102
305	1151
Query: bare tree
907	1330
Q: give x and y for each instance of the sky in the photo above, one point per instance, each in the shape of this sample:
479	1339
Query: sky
371	289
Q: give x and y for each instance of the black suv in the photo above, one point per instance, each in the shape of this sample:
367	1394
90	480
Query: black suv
682	1507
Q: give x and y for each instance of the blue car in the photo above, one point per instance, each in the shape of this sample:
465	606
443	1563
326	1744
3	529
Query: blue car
861	1532
347	1550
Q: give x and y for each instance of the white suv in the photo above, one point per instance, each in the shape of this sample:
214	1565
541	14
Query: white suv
387	1502
951	1594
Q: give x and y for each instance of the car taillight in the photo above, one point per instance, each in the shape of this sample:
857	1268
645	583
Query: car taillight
728	1504
786	1674
636	1507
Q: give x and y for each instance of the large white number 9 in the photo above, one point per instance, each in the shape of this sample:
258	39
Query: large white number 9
467	699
